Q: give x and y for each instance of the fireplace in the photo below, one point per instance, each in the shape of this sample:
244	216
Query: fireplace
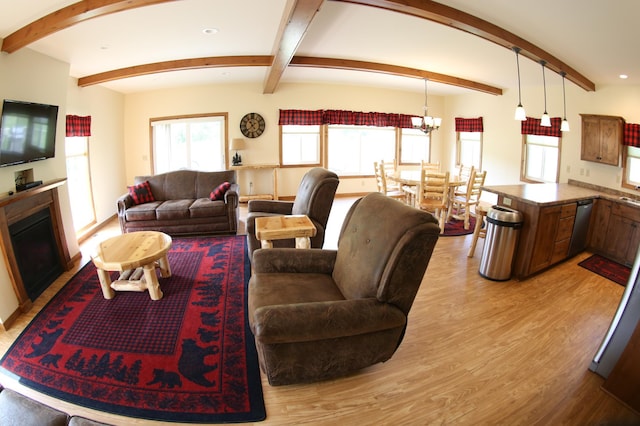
32	242
34	245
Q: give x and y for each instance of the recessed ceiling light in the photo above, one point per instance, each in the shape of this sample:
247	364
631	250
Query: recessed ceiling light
210	31
623	76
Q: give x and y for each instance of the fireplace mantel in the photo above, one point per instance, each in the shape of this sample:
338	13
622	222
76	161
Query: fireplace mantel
23	204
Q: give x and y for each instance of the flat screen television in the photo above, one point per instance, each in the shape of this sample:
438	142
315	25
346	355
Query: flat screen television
27	132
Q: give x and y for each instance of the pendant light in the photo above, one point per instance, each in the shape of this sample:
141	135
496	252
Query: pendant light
546	120
564	127
520	115
426	123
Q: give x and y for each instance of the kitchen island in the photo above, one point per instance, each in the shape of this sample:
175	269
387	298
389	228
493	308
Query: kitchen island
549	215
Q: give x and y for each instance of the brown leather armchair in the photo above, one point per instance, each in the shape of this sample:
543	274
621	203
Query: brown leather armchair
314	198
320	314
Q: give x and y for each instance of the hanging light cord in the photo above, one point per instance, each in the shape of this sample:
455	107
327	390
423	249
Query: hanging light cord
517	50
564	96
544	83
425	96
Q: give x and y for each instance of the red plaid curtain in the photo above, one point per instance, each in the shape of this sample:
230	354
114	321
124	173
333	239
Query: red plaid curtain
300	117
353	118
469	124
532	127
78	126
631	134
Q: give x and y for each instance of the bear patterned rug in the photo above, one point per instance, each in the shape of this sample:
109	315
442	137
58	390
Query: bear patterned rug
189	357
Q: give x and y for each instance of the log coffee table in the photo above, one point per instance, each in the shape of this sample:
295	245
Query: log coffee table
270	228
136	255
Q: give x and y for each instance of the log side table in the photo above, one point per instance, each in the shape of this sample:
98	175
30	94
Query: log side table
271	228
136	255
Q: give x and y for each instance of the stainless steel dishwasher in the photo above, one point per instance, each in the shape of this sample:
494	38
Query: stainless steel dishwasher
580	227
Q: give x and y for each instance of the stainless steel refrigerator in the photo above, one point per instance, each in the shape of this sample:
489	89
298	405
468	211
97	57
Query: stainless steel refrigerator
622	326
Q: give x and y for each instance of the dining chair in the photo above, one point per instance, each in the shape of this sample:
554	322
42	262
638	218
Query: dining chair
411	191
384	187
464	173
460	205
433	195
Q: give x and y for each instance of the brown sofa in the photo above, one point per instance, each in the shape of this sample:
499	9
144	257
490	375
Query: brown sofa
18	410
320	314
182	205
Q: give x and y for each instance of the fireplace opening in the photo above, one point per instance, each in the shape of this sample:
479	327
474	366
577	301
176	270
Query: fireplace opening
36	252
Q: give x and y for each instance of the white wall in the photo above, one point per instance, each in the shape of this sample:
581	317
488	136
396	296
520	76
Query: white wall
240	99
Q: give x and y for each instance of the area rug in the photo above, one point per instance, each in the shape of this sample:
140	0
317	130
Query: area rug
607	268
189	357
455	227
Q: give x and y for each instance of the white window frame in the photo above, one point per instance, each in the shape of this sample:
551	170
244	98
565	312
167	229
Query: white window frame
300	146
80	187
465	142
545	145
164	161
630	167
415	147
355	153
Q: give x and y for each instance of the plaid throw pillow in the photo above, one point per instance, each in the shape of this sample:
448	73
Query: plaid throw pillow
219	191
141	193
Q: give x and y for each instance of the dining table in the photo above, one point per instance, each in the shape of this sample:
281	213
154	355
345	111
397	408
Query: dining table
412	177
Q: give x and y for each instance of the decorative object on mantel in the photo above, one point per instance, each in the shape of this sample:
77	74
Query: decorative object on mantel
520	115
545	121
237	144
564	127
426	123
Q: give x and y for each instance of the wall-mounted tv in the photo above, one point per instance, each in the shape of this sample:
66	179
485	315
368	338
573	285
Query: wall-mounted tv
27	132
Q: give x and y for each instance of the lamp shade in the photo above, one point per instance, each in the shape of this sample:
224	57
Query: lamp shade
237	144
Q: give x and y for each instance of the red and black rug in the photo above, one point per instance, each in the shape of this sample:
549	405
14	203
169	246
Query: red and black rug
607	268
455	227
189	357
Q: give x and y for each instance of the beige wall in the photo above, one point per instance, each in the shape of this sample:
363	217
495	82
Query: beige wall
237	100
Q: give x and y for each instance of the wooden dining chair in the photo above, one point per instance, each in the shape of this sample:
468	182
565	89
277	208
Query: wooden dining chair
433	195
392	191
411	191
460	205
464	173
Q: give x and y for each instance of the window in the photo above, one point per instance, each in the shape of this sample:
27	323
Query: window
195	143
541	158
415	146
631	166
300	145
352	150
79	183
469	149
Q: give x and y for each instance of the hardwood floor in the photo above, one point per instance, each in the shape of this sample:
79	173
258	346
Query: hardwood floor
476	352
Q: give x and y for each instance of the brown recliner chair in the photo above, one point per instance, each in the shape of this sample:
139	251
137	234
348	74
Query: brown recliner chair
320	314
314	198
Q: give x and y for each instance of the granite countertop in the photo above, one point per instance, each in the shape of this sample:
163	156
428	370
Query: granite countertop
548	194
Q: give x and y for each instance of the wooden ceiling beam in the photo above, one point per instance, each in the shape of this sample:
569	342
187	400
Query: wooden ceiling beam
176	65
296	21
454	18
345	64
67	17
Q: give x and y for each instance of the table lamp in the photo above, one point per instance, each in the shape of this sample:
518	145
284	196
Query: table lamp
237	144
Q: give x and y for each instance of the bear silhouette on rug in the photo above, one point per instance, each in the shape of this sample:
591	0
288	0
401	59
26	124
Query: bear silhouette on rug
192	362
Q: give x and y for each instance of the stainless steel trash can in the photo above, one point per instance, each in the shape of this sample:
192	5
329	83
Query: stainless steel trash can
503	228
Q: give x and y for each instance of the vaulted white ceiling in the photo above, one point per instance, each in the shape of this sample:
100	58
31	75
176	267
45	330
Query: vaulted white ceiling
596	38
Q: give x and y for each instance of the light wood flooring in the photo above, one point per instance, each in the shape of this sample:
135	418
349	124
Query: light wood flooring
476	352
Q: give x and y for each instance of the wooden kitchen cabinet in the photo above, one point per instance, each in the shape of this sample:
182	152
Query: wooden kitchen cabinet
553	236
623	234
601	138
599	224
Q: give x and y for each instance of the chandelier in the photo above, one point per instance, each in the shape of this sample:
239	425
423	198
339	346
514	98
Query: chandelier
426	123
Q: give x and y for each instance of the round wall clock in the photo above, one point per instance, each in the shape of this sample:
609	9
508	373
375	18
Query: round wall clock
252	125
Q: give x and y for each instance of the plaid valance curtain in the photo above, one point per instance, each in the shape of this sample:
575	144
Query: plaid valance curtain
78	126
469	124
531	126
631	134
334	116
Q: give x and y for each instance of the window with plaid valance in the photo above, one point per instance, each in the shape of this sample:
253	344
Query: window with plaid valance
531	126
334	116
469	124
631	134
78	126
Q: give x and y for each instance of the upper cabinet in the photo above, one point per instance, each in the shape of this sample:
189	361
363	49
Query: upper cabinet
601	138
